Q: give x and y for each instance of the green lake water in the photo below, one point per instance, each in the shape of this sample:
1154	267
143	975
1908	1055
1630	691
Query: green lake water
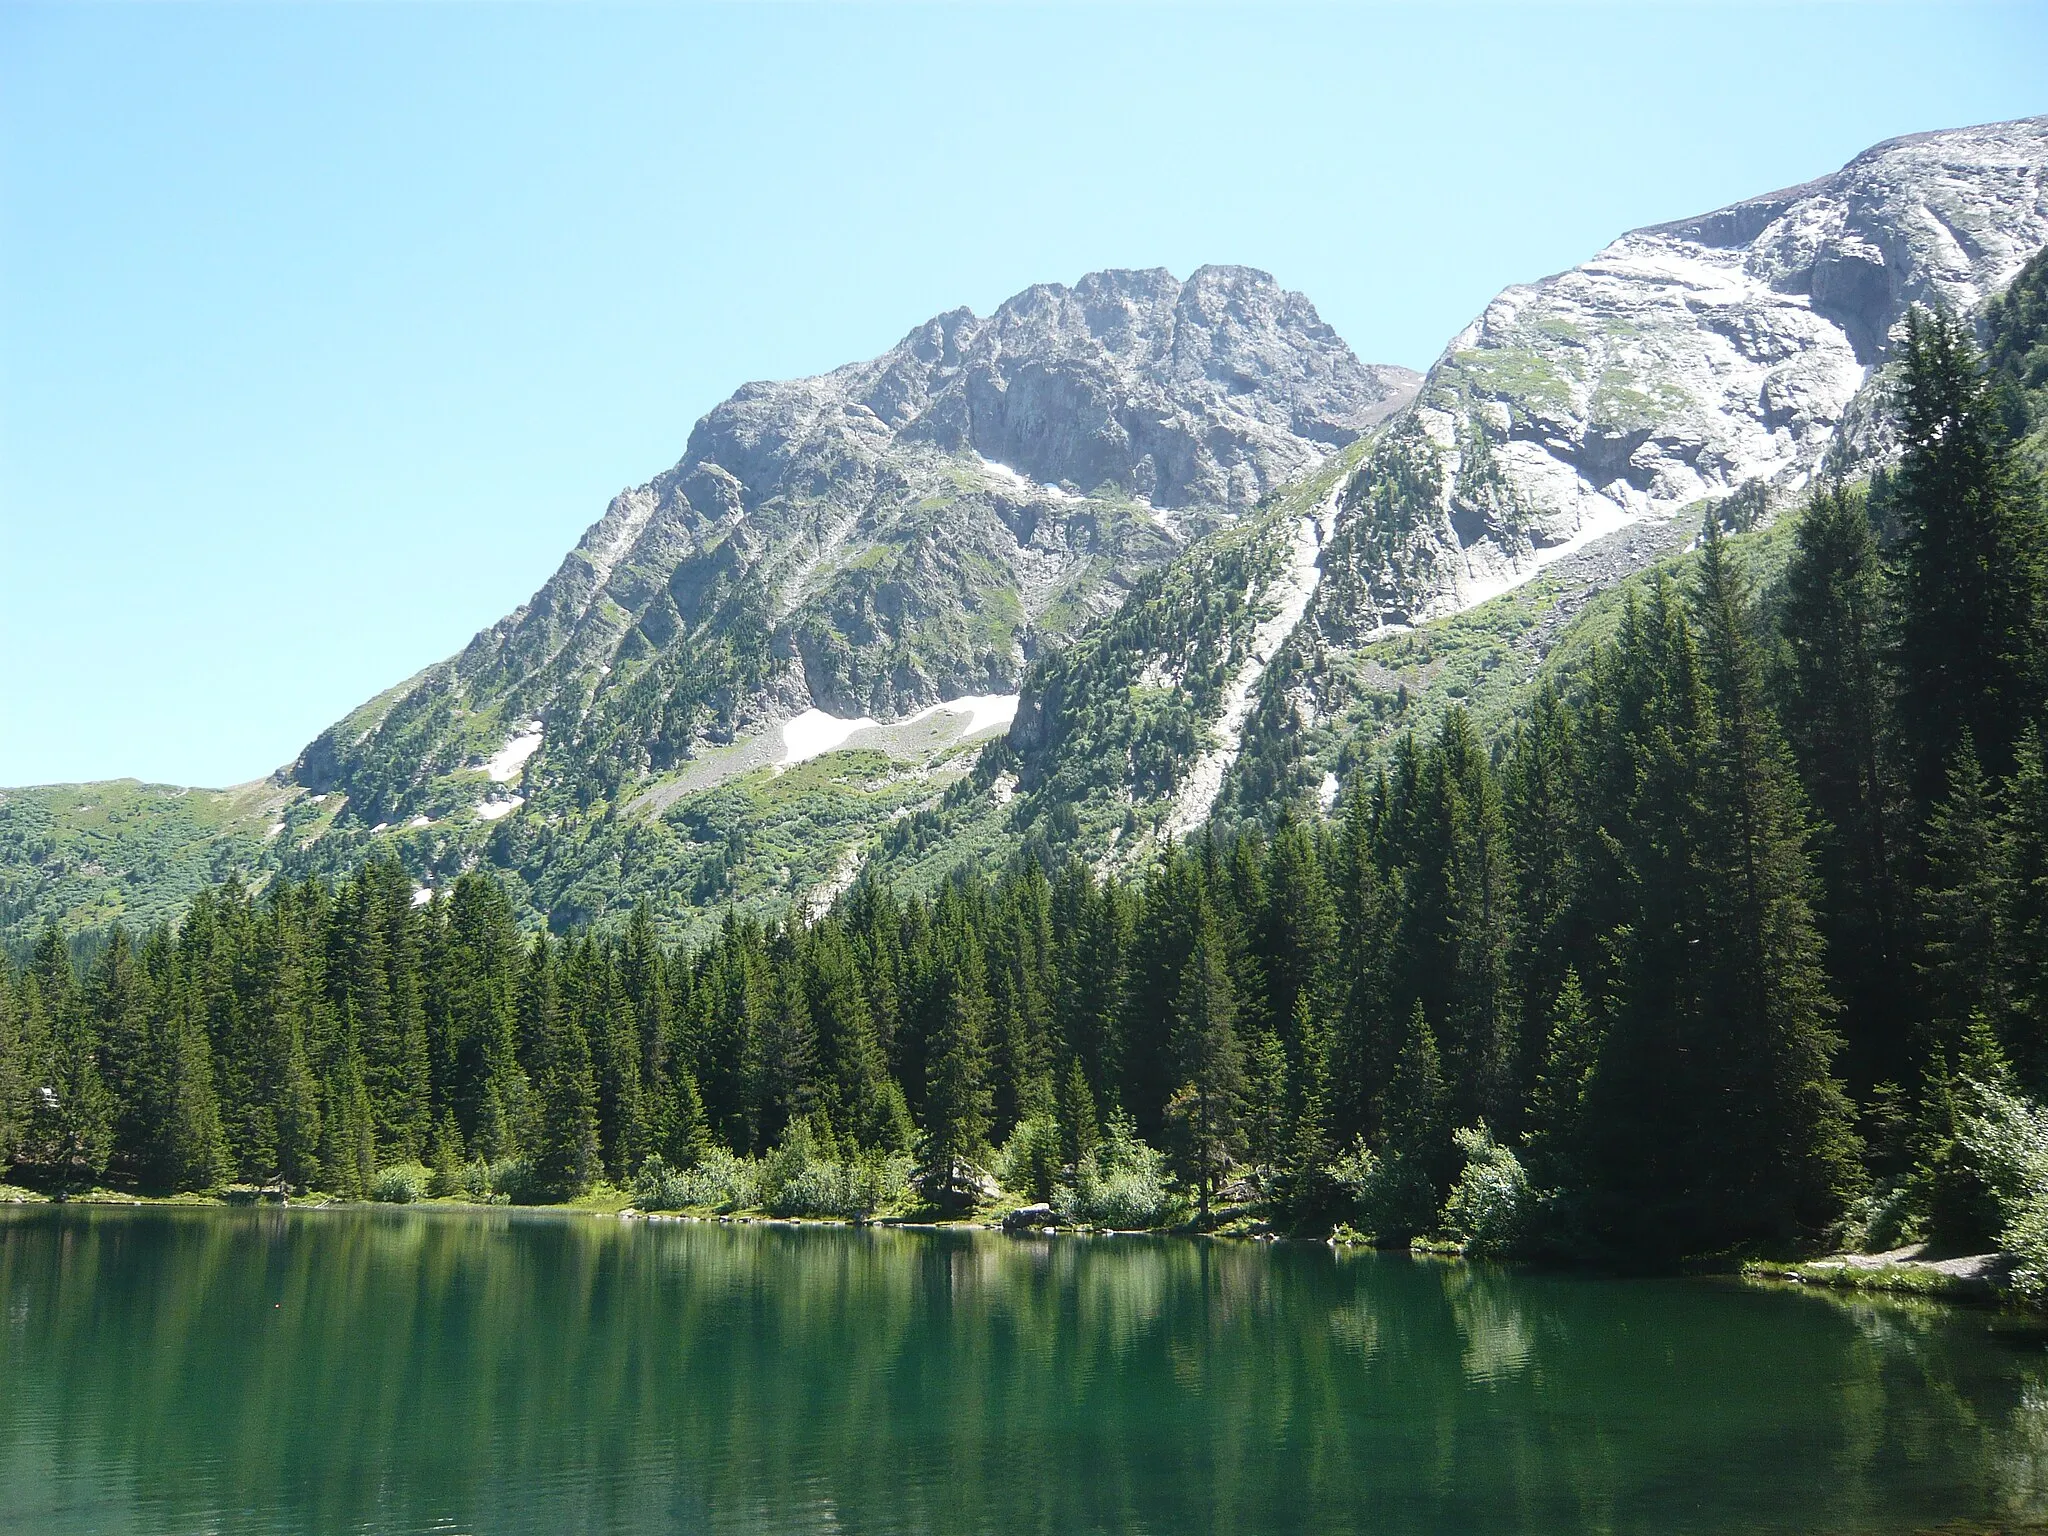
171	1371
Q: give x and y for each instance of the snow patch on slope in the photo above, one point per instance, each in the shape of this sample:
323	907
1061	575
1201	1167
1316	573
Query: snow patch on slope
1023	484
1291	592
506	762
814	733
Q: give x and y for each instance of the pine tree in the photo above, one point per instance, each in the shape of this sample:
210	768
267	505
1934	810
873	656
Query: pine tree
2023	930
14	1086
1365	1036
1540	800
1162	937
643	982
1777	1157
190	1152
1968	644
565	1152
1960	966
394	1040
957	1102
1481	1023
1090	937
591	994
1311	1141
1074	1113
348	1133
854	1074
71	1113
1267	1094
481	959
1296	939
1832	684
785	1065
1557	1107
1206	1112
1415	1112
119	1014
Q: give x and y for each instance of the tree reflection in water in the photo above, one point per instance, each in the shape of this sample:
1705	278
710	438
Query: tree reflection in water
172	1370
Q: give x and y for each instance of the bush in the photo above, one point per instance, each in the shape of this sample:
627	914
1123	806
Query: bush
1491	1208
853	1187
1392	1197
658	1187
402	1184
1882	1220
1124	1186
2007	1139
718	1182
468	1181
514	1179
1029	1163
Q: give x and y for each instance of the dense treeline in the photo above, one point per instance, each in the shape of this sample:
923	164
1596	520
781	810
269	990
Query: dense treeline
1715	949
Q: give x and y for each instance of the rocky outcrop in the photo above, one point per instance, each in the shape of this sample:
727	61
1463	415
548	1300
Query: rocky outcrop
890	534
1679	363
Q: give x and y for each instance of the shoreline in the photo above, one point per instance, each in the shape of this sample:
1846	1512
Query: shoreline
1975	1281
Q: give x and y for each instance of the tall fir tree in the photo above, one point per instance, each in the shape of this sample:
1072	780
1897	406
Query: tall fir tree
1206	1111
1833	689
1968	645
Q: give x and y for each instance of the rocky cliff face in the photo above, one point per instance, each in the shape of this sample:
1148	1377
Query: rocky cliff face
1679	363
1563	429
887	535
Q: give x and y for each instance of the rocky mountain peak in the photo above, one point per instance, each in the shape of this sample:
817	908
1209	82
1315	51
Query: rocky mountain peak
1680	363
1208	392
896	532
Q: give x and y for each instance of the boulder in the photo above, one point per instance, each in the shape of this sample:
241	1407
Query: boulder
1030	1218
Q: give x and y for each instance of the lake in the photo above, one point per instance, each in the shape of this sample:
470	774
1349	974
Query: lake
170	1370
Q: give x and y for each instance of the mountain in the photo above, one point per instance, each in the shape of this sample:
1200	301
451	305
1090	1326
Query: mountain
1571	433
880	538
1209	561
1681	363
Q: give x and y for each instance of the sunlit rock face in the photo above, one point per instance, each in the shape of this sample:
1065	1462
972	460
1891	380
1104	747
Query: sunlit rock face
892	534
1679	363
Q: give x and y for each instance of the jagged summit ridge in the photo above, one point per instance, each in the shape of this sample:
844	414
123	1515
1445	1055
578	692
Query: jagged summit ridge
896	532
1681	361
1208	392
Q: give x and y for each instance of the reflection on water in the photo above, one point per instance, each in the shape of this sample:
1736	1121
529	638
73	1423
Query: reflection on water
169	1371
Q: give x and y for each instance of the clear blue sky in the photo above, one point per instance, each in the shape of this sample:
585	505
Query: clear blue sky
324	331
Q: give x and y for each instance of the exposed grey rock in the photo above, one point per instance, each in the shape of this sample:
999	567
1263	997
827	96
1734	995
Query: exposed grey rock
1030	1218
1679	363
895	532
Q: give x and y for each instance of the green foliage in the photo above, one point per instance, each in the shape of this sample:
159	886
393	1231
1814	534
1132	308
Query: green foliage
1608	914
718	1182
1972	569
1390	1196
1123	1187
2007	1136
402	1184
1030	1162
1492	1208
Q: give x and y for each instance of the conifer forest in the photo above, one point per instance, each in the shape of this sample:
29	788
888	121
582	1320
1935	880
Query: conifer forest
1736	941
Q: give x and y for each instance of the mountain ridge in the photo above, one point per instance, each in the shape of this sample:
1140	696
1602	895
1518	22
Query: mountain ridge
1180	521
